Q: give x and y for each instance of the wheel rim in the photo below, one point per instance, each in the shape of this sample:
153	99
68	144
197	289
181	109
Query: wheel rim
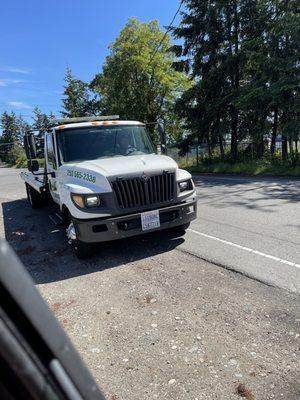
71	233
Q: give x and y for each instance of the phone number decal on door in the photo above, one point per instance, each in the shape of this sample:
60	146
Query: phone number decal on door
81	175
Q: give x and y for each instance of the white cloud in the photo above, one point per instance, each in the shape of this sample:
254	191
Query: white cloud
19	105
16	70
7	82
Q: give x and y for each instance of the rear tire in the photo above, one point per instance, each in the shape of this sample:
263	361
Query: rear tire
34	197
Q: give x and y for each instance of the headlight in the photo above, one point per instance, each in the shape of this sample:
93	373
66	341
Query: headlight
78	200
185	185
83	201
92	201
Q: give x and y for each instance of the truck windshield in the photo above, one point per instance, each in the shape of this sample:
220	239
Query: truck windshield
92	143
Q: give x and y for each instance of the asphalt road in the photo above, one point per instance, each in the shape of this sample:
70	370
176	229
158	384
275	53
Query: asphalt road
251	225
166	317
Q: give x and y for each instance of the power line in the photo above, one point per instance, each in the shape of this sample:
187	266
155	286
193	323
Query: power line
167	31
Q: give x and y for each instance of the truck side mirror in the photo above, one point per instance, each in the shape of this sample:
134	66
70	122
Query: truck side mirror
33	165
29	144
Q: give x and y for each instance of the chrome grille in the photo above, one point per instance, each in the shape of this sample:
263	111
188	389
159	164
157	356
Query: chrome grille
141	192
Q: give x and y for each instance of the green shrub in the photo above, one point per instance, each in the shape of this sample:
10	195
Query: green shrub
256	167
14	154
21	162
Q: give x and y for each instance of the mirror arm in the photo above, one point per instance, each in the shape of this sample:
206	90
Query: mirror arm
44	173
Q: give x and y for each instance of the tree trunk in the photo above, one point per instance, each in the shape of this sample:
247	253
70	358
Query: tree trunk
236	84
290	145
274	131
209	147
221	144
197	152
234	135
260	147
284	147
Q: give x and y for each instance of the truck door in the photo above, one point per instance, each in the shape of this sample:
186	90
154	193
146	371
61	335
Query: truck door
51	167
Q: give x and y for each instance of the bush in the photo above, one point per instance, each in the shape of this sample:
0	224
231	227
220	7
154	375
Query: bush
21	162
256	167
14	154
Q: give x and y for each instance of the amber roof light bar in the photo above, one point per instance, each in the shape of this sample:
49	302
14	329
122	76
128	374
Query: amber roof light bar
64	121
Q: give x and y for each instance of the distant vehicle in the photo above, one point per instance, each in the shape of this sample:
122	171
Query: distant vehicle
108	182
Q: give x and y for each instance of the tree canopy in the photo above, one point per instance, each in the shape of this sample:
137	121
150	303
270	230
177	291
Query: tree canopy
138	80
78	100
244	56
232	77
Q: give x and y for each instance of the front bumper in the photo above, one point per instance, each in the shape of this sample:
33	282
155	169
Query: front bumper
102	230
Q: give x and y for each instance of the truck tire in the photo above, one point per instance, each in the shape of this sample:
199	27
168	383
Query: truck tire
35	198
181	229
81	249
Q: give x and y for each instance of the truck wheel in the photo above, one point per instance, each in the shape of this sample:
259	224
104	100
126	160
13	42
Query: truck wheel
181	229
81	249
34	197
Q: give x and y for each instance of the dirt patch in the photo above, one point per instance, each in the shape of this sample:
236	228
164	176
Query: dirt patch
244	392
58	306
26	250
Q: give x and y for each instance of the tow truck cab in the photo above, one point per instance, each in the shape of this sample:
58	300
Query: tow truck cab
108	181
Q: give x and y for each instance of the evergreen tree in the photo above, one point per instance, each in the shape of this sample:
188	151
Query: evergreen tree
272	70
210	30
13	129
41	122
78	100
244	56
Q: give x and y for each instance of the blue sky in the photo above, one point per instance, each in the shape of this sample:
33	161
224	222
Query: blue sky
40	38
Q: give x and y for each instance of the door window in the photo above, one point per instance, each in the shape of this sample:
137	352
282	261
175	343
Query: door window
50	151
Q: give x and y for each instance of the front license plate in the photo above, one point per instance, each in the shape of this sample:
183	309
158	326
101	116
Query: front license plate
150	220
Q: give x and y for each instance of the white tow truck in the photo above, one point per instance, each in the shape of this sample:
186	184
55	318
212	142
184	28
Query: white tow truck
108	182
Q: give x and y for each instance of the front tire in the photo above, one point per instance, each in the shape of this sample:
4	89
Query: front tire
81	249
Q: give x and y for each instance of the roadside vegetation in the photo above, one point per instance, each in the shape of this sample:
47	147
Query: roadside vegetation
252	167
21	162
226	91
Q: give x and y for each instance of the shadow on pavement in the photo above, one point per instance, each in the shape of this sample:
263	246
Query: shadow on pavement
43	248
253	193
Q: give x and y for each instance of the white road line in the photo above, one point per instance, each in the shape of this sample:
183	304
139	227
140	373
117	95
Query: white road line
238	246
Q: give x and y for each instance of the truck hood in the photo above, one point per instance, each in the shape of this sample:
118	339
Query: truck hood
129	165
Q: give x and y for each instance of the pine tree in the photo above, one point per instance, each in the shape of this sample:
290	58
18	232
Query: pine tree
210	31
78	100
244	55
41	122
13	129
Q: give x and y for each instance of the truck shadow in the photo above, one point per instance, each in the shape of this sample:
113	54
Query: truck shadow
45	253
